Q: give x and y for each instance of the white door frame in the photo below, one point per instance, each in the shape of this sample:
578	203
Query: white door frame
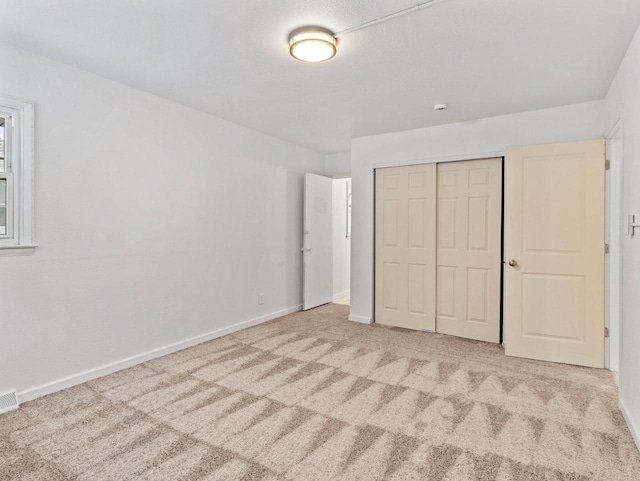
613	287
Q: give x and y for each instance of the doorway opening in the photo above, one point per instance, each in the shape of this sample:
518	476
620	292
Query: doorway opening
326	245
342	241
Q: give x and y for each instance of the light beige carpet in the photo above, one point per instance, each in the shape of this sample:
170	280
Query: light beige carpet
312	396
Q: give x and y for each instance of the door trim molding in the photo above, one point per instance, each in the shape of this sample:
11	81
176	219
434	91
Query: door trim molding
440	159
614	213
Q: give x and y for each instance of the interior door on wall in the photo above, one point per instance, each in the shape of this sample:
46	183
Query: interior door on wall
469	232
405	246
317	265
554	253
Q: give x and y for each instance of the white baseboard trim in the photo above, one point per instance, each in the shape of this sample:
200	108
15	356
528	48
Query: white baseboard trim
634	429
360	319
73	380
341	294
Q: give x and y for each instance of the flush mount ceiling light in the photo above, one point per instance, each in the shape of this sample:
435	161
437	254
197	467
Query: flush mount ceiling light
312	45
315	44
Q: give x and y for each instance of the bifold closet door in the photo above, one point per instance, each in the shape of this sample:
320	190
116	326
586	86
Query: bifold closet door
469	233
405	246
554	252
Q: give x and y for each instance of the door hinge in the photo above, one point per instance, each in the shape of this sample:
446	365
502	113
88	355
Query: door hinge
606	332
606	248
607	164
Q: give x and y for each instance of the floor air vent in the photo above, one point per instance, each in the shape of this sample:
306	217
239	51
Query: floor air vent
8	401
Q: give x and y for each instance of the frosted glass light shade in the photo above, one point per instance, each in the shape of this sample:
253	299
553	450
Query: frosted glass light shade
312	46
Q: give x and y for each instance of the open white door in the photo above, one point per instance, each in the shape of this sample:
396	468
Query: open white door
317	249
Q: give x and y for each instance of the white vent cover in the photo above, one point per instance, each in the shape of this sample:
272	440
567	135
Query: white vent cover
8	401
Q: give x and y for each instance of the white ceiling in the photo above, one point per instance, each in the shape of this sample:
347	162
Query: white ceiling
230	58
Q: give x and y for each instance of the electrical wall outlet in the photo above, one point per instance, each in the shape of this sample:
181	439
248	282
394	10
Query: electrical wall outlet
260	299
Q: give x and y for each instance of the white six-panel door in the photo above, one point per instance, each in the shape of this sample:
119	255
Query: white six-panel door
405	252
554	253
469	233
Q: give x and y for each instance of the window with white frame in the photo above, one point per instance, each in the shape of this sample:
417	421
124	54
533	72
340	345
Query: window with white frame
16	175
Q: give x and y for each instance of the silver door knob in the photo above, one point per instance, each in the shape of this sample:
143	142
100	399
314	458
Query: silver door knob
513	262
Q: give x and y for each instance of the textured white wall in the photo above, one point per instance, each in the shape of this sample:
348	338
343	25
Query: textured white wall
337	165
446	142
156	223
341	243
623	101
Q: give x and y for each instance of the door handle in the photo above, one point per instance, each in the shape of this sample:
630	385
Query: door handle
306	250
513	262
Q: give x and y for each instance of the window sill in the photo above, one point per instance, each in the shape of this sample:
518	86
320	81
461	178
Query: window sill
19	250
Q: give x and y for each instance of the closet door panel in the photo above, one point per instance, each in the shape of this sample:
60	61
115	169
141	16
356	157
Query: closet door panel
469	248
405	243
